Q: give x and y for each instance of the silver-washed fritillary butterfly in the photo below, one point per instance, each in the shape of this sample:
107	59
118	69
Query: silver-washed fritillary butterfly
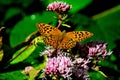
61	40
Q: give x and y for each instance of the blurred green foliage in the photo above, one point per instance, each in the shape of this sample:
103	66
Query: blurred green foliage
20	19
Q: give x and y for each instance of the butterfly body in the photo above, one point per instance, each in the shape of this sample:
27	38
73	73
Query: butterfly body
61	40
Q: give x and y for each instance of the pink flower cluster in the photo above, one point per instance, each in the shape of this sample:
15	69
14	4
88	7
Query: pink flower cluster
95	49
80	68
62	65
58	7
98	50
59	64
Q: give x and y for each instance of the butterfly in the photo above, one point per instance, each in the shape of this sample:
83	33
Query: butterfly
61	40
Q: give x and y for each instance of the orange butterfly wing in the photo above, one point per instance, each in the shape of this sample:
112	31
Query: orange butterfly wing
70	39
79	35
46	29
50	33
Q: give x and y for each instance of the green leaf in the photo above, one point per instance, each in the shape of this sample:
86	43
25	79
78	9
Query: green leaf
12	75
96	76
23	55
66	25
1	55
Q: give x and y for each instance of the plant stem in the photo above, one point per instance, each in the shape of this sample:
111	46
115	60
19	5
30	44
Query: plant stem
59	23
59	20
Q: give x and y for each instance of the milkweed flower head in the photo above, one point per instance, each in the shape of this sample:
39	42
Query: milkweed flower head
96	49
63	65
58	65
59	7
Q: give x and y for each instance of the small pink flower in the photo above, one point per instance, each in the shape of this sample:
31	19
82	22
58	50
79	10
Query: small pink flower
81	62
58	7
49	51
107	54
78	61
27	70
